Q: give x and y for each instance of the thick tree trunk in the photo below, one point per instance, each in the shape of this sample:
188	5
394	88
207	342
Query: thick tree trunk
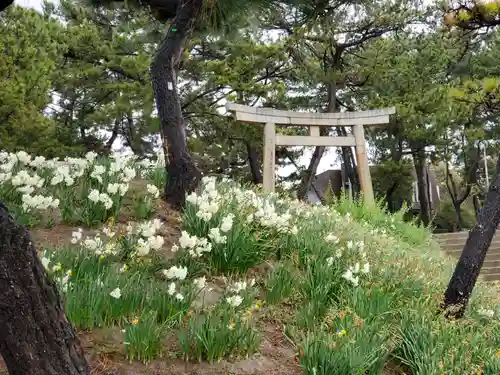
423	187
182	174
253	161
471	260
36	337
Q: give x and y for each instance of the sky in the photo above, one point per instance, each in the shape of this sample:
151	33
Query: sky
329	160
36	4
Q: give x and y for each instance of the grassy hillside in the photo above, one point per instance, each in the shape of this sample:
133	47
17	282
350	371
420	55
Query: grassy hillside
241	283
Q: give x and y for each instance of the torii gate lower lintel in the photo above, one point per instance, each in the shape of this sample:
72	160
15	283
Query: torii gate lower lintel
272	117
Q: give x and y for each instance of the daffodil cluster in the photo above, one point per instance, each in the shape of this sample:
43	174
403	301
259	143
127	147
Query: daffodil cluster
106	183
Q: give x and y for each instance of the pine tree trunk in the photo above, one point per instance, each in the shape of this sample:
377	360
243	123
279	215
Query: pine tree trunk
36	337
253	161
471	260
423	187
182	174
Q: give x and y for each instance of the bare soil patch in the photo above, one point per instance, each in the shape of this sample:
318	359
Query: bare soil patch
104	349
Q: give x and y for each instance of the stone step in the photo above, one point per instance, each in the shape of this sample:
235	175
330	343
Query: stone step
489	262
488	270
461	240
491	276
458	249
493	249
490	257
452	244
450	236
495	240
456	235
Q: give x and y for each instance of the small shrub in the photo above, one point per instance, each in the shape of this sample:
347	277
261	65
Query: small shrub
280	283
158	175
320	289
446	217
144	337
219	332
107	299
170	308
347	350
434	346
143	204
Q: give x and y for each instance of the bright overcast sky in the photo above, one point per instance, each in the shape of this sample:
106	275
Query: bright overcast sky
37	4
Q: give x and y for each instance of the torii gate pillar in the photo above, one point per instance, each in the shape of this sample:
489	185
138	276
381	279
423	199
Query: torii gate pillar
272	117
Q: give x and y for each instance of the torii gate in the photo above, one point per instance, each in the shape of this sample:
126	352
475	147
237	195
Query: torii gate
272	117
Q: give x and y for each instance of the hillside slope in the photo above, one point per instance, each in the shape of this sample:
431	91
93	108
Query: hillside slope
241	283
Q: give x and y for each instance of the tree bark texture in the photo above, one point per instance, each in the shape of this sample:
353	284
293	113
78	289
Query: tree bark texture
36	337
396	156
182	174
471	260
253	162
423	186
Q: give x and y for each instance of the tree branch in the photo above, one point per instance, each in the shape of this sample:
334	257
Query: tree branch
139	77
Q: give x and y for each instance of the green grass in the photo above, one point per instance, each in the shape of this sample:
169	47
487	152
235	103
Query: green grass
353	287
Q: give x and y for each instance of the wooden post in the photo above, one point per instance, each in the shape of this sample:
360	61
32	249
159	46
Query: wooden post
269	157
363	167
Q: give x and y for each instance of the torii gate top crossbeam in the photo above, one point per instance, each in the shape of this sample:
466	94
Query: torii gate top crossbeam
279	117
272	117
